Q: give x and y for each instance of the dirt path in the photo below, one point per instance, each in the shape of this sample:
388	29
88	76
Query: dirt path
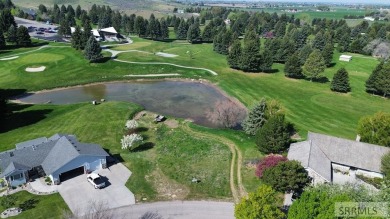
238	190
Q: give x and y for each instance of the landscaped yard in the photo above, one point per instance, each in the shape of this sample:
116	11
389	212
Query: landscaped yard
45	206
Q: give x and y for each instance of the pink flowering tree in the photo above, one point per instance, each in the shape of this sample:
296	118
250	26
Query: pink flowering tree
269	161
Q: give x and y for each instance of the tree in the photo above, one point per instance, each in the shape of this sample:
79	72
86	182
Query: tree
6	20
251	59
371	81
375	129
182	30
314	65
273	136
288	176
23	37
292	68
130	141
266	60
260	204
92	50
42	8
385	165
327	53
304	53
226	113
11	35
208	33
86	34
78	12
267	162
164	29
2	40
319	41
64	29
317	202
234	56
382	83
77	38
340	82
193	34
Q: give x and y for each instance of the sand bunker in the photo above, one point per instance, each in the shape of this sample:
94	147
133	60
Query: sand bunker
9	58
38	69
167	55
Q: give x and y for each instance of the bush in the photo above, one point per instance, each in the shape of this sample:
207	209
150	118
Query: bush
274	136
267	162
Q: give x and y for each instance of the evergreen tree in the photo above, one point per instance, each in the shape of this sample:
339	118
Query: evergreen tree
152	28
208	34
273	136
139	27
23	37
64	29
11	34
105	20
292	68
287	48
193	34
6	20
2	40
92	50
70	11
319	41
42	8
280	29
251	59
345	40
116	20
164	29
382	83
370	83
314	65
267	60
86	34
340	82
77	38
327	53
256	118
226	42
182	30
78	12
93	14
304	53
234	56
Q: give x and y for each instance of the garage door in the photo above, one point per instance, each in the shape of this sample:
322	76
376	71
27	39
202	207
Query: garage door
71	173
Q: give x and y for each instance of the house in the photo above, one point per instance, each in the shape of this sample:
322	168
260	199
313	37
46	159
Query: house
96	34
369	18
55	157
345	58
329	159
108	32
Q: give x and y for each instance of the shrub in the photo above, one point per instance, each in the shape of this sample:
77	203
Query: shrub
269	161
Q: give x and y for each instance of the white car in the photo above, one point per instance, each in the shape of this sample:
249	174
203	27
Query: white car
96	180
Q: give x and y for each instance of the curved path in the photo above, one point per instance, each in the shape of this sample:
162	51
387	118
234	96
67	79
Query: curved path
30	51
235	163
178	210
114	53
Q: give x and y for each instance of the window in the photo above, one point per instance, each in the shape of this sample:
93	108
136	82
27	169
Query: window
16	177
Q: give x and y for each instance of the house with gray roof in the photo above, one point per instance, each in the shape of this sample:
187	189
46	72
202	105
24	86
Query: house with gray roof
330	159
57	157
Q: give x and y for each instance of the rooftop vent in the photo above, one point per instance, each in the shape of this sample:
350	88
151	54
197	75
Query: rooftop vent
34	147
11	154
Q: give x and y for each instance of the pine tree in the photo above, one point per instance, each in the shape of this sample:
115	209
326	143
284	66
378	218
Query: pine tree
92	50
93	14
78	11
370	83
164	29
382	83
64	29
234	56
11	34
193	34
255	118
23	37
139	27
77	38
86	34
292	68
7	20
182	30
304	53
251	59
2	40
340	82
208	34
314	65
327	53
273	136
267	60
319	41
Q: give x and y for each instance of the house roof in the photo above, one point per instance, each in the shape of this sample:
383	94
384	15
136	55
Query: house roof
95	33
319	151
109	30
30	143
57	151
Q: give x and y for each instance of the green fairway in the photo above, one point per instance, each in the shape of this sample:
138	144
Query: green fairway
46	206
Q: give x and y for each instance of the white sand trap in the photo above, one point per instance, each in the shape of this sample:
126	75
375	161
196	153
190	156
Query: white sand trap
38	69
9	58
167	55
153	75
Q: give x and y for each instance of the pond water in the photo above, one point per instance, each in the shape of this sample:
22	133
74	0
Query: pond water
192	100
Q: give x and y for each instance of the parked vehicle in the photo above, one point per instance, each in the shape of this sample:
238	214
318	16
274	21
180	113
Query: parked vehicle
96	180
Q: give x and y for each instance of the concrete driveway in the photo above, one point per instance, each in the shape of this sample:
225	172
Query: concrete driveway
78	193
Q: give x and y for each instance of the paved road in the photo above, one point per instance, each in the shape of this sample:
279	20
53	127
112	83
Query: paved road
179	210
37	24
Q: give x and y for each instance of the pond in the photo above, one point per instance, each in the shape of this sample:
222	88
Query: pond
192	100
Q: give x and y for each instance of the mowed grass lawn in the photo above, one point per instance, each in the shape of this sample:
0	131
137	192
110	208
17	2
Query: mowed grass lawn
165	163
311	106
45	206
